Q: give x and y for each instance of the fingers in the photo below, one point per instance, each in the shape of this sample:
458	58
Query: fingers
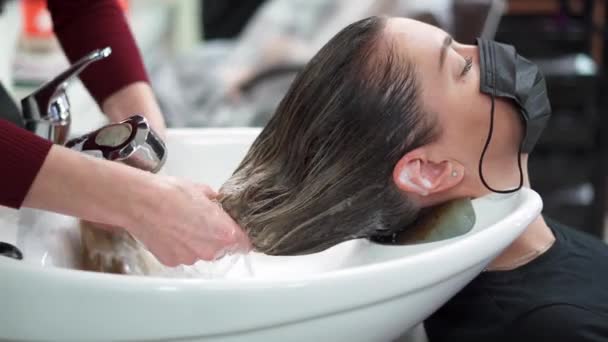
240	242
217	239
190	226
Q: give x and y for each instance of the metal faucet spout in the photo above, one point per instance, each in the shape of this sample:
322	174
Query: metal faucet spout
46	111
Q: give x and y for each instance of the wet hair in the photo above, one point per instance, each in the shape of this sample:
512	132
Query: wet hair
321	170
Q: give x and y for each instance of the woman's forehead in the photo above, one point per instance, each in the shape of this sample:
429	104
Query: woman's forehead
420	42
411	30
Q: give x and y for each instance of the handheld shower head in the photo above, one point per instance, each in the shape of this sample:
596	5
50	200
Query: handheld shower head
131	141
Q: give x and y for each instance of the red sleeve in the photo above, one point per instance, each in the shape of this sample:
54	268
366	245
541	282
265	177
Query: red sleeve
85	25
22	154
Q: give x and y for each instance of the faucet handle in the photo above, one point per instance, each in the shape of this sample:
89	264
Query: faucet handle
61	82
47	110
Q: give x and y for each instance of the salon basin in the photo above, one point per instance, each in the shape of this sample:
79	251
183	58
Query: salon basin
355	291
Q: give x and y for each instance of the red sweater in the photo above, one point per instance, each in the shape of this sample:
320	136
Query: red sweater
81	27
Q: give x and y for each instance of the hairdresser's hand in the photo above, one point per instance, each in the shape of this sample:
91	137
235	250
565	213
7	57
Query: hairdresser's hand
187	225
175	219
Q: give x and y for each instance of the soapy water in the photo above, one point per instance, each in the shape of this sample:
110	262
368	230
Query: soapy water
139	261
119	252
229	266
53	240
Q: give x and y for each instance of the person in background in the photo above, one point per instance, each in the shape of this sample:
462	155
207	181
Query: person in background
177	220
247	76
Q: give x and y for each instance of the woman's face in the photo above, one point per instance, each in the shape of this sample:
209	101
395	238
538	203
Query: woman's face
449	75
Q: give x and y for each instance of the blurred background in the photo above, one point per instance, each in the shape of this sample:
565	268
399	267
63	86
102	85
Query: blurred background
229	62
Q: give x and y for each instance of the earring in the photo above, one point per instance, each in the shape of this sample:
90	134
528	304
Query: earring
454	173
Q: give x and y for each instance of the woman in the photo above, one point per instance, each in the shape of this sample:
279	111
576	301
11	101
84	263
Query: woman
176	220
372	125
390	117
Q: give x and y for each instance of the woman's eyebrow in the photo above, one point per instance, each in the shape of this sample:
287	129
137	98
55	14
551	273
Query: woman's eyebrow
447	41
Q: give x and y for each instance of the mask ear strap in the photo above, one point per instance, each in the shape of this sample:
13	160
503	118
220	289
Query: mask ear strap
489	138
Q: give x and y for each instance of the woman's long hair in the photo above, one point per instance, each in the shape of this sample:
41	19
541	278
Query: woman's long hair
321	171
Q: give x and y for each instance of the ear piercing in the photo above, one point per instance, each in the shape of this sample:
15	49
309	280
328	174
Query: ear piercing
454	173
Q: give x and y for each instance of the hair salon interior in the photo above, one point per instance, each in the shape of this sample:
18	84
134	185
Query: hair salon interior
224	66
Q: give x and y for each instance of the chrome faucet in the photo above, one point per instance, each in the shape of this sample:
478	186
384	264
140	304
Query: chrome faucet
46	112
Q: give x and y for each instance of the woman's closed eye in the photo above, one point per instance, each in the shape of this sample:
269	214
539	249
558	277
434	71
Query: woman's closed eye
467	66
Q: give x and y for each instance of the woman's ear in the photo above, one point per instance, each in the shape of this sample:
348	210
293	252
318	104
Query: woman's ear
415	173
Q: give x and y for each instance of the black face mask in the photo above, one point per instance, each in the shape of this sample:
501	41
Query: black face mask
505	74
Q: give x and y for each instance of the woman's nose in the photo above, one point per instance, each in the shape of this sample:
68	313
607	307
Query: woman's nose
470	47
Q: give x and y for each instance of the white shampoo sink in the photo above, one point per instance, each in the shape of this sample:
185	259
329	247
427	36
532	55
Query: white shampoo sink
355	291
